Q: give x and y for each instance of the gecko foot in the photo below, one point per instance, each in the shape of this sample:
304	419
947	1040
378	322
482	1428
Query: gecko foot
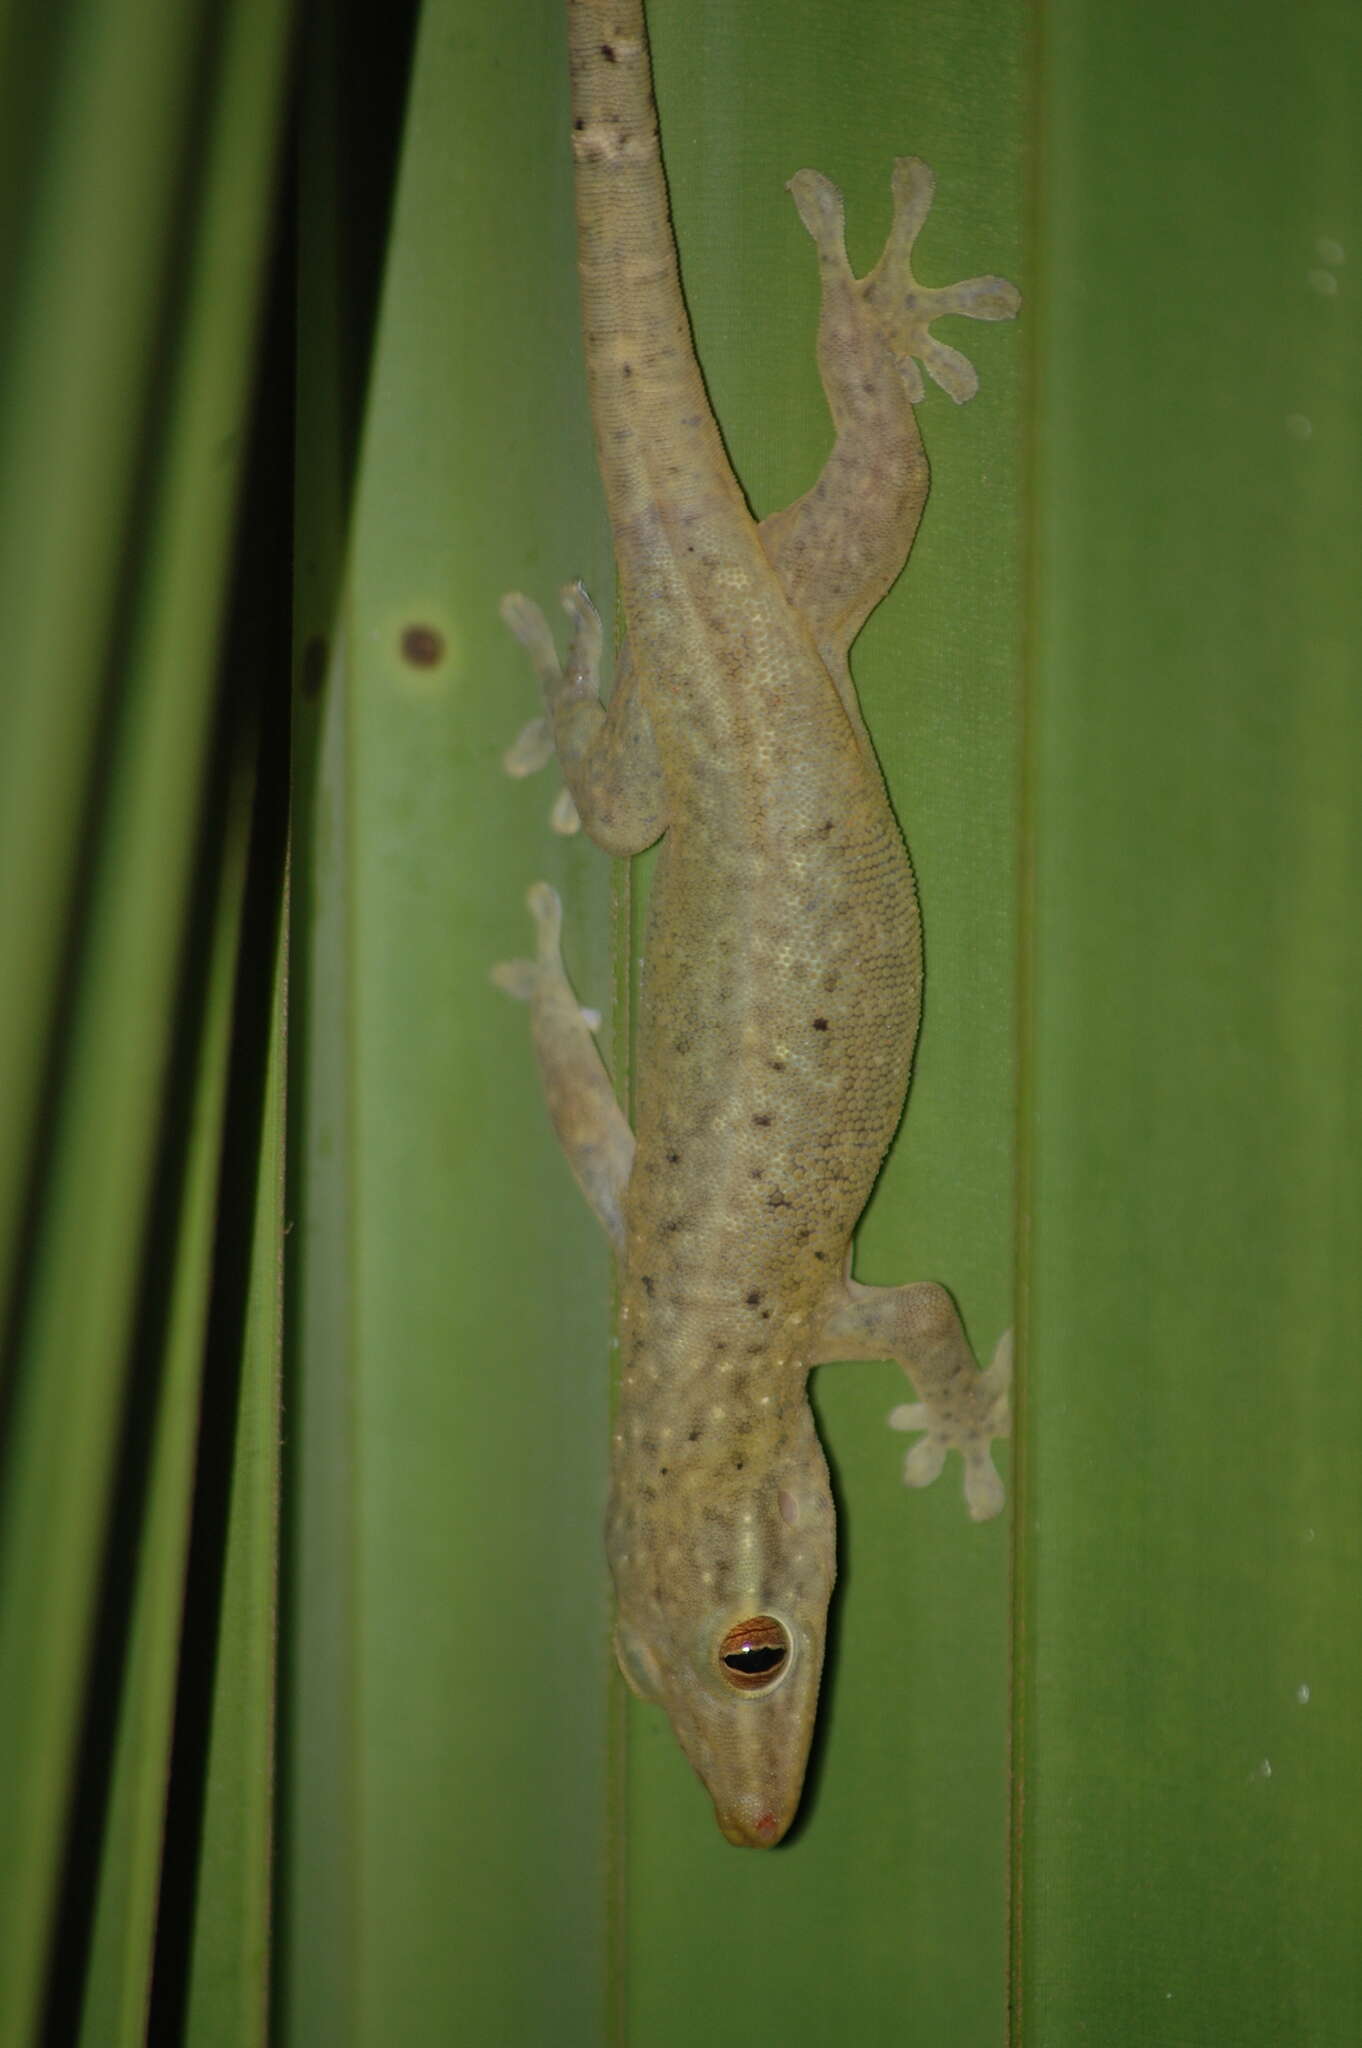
589	1122
533	747
525	979
967	1422
904	308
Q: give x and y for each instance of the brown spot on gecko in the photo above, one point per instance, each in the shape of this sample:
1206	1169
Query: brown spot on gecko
820	1023
754	1298
761	1121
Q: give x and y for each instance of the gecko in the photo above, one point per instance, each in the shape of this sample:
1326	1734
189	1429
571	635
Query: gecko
781	988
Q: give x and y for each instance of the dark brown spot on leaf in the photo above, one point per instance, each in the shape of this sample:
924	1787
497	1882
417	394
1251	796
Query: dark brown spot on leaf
422	646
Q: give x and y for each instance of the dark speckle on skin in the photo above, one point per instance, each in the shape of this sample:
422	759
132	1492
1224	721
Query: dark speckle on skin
761	1122
754	1298
820	1023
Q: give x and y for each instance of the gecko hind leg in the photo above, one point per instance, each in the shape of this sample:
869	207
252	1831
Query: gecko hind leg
592	1128
607	754
958	1408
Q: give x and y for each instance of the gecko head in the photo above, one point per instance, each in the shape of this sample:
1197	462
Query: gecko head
737	1674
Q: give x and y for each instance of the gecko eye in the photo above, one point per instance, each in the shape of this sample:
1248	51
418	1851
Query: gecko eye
753	1655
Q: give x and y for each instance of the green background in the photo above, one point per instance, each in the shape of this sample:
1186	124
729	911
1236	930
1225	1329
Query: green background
310	1723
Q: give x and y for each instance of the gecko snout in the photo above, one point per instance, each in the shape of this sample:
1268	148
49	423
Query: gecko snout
750	1825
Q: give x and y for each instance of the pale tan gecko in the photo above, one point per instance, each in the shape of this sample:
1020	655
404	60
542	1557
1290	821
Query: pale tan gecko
782	978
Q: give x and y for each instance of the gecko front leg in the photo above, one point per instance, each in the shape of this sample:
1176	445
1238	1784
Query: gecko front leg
591	1126
606	752
959	1408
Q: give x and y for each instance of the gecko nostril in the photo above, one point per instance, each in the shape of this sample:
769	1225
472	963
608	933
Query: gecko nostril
754	1654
